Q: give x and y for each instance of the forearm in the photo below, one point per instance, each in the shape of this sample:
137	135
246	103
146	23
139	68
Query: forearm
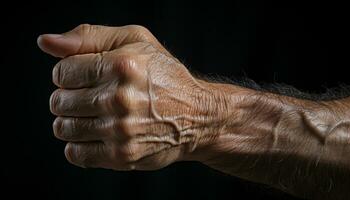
299	146
136	107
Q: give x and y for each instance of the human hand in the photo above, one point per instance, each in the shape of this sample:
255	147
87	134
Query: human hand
124	102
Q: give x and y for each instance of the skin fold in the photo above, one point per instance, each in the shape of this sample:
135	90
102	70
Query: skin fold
125	103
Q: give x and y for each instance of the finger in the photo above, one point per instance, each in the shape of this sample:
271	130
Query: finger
80	129
87	70
79	71
89	154
75	103
93	39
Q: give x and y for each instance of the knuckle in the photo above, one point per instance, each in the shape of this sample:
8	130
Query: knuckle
89	30
73	126
62	72
55	101
100	65
67	129
123	127
57	73
57	127
124	64
77	155
70	153
139	30
140	33
123	98
84	28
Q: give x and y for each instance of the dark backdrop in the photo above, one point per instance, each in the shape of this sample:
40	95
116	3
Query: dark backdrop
304	45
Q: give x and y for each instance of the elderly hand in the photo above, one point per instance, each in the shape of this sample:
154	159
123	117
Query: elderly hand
126	103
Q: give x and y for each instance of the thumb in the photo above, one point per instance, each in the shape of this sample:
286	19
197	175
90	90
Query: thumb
59	45
92	39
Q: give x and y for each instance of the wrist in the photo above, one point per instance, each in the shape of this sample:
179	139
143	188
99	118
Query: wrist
248	127
231	108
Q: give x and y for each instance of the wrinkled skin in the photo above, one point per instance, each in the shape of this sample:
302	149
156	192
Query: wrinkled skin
127	106
125	103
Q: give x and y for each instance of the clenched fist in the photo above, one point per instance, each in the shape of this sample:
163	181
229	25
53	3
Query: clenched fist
124	102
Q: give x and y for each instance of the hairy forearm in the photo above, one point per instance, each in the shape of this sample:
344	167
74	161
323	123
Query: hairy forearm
299	146
125	103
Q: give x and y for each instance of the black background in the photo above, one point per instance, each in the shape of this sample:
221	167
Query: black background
300	44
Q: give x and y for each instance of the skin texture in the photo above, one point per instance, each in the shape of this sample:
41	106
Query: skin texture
125	103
